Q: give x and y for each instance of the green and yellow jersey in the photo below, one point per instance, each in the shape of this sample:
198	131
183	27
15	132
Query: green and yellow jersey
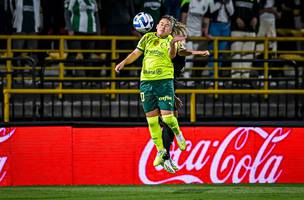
157	64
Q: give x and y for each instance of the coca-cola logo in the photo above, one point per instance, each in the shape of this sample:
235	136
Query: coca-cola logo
223	165
5	134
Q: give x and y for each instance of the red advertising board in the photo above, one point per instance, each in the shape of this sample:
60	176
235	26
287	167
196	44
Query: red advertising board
78	156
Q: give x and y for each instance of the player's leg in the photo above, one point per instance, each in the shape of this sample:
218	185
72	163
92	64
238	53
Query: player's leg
155	131
156	135
168	137
165	93
172	123
152	114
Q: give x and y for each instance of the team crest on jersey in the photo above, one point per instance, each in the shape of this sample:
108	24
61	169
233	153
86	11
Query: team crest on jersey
156	42
163	45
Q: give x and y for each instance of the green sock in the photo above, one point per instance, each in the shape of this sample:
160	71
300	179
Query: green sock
155	132
172	122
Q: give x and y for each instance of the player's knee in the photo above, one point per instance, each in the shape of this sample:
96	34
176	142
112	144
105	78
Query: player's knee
170	120
153	121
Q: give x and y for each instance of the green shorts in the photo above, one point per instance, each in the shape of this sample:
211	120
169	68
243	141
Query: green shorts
157	94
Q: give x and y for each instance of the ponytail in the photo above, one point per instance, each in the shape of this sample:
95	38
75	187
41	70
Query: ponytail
178	28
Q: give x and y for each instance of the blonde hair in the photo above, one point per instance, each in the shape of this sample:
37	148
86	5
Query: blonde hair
178	28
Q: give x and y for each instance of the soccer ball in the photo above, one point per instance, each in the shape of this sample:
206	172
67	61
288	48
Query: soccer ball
143	22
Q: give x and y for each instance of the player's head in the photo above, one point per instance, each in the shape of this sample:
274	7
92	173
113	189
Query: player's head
177	28
164	27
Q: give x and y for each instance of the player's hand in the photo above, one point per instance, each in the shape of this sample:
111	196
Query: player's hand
205	53
178	102
119	66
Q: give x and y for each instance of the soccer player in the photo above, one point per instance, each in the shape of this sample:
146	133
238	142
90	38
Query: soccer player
156	87
179	64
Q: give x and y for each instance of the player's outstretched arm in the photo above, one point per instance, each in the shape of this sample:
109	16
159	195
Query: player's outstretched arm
188	52
202	53
129	59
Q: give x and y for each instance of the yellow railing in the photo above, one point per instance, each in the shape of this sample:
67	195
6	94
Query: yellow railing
193	93
62	50
113	51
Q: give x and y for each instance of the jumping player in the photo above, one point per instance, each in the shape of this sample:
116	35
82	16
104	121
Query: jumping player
156	87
